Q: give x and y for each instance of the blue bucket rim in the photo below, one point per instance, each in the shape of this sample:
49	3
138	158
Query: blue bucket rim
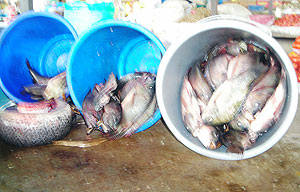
102	25
20	18
29	14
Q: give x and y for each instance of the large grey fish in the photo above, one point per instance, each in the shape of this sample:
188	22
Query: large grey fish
228	98
235	47
90	115
56	87
29	129
131	128
38	79
45	87
216	70
128	77
236	141
103	95
191	116
271	112
257	99
135	104
199	83
242	63
127	82
111	117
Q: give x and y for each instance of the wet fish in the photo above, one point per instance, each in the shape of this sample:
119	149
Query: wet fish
257	99
262	91
216	70
38	79
199	84
56	87
244	62
111	117
228	98
190	108
102	97
191	116
129	81
270	114
36	91
129	77
236	141
131	128
235	47
45	87
90	115
29	129
241	122
135	104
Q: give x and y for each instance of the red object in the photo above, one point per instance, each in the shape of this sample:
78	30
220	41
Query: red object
296	45
295	66
293	54
288	20
298	76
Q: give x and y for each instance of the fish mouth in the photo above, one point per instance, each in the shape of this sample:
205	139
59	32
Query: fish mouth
215	145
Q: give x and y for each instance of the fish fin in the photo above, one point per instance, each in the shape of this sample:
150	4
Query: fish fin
235	149
35	76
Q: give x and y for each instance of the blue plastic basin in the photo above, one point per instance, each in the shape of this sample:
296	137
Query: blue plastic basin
44	39
112	46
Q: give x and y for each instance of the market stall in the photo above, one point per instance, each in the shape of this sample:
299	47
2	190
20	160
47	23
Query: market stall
133	95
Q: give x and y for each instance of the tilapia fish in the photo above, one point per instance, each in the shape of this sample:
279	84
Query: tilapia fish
191	116
56	87
216	70
270	114
111	117
236	141
199	84
90	115
45	87
257	98
228	98
135	104
243	63
104	92
29	129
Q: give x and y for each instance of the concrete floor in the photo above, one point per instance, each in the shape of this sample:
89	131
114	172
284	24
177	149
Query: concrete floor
152	160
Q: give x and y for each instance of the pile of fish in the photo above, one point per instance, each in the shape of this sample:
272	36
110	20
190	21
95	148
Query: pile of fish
118	108
233	96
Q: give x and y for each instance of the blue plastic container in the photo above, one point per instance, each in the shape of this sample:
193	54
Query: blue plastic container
112	46
44	39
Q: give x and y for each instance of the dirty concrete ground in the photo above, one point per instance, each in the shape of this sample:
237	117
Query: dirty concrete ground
152	160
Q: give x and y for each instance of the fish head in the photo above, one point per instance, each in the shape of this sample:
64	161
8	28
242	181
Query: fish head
209	117
208	136
56	87
240	123
148	80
